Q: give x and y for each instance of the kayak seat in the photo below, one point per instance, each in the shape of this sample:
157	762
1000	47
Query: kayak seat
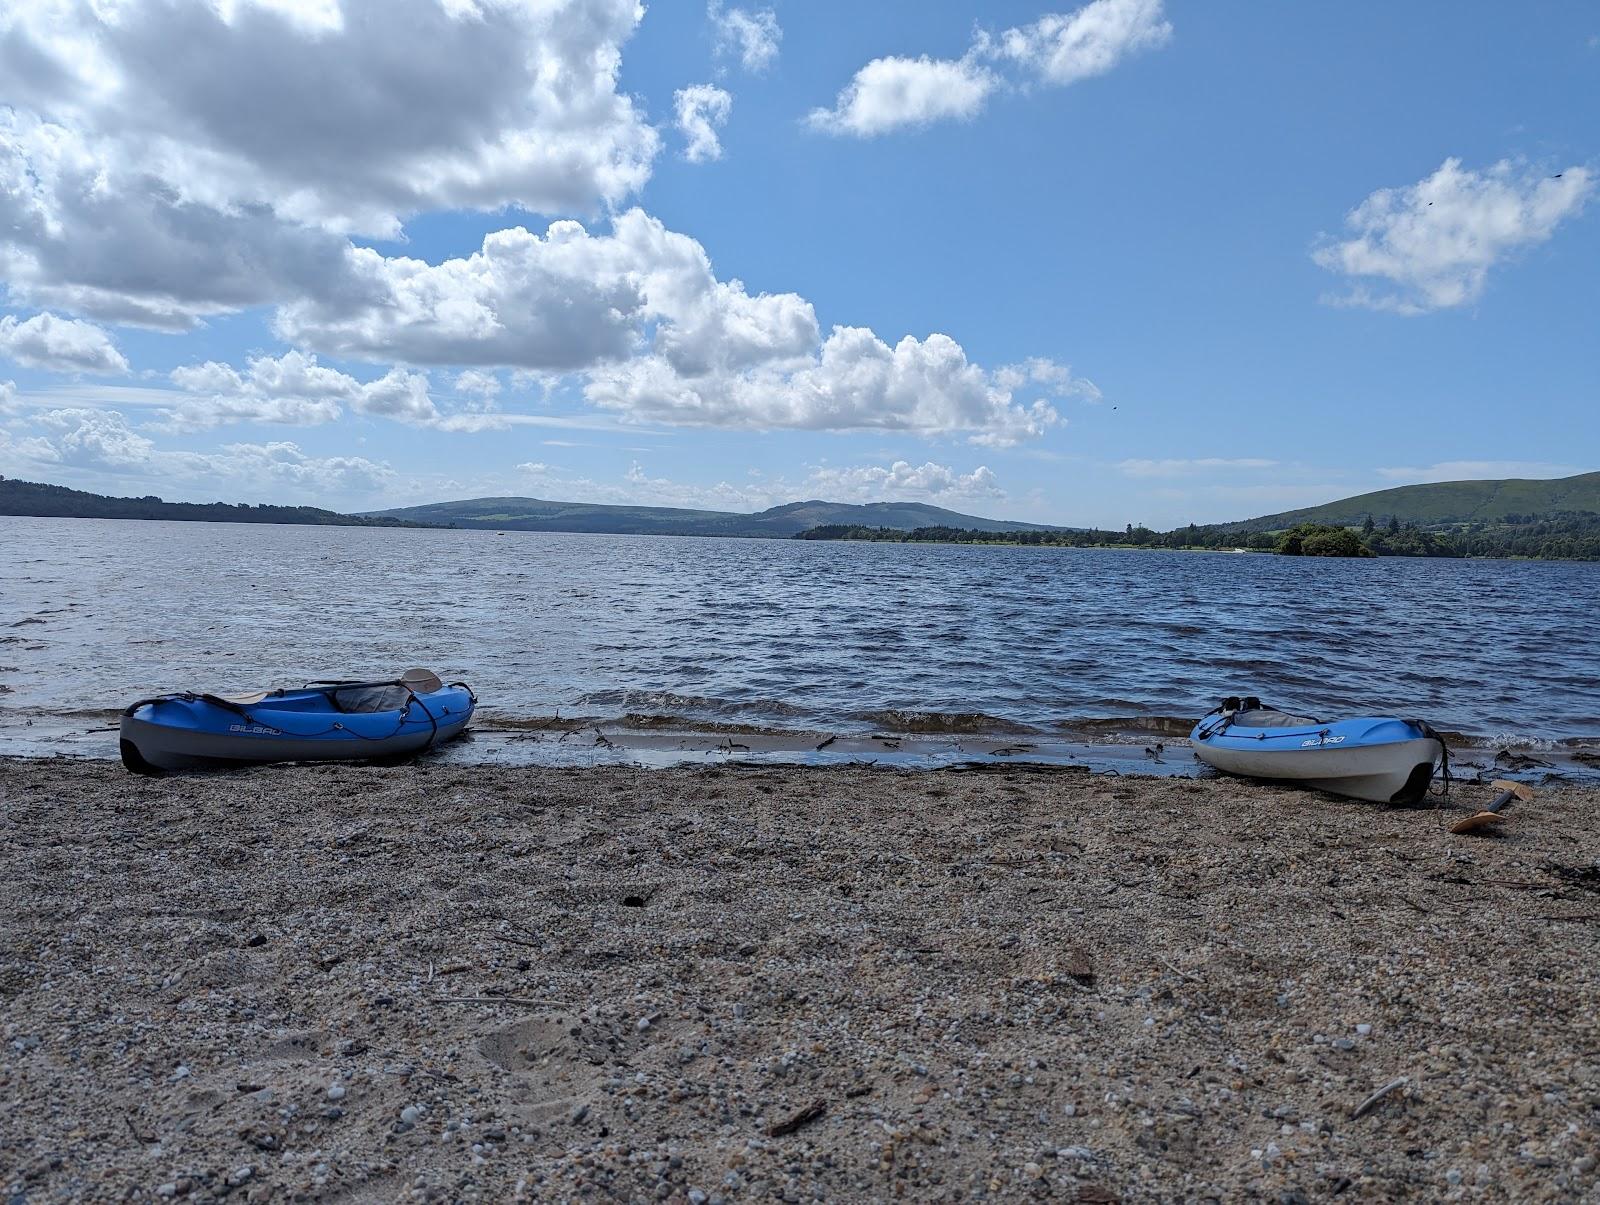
1263	717
357	700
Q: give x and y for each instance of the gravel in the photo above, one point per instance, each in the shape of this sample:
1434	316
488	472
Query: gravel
928	985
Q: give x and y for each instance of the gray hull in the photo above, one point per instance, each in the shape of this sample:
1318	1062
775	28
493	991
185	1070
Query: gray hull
160	747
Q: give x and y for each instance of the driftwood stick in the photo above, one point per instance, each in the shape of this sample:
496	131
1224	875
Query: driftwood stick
806	1115
1377	1098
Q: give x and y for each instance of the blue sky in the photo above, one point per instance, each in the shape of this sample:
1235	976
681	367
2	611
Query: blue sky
1116	262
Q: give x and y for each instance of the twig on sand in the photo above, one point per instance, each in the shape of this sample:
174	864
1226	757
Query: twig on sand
1178	971
1377	1098
523	1001
806	1115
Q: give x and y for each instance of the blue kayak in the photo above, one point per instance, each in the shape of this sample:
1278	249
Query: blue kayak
323	721
1381	759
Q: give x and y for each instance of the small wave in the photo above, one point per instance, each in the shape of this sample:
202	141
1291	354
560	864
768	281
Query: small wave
535	723
897	720
1129	725
633	720
666	702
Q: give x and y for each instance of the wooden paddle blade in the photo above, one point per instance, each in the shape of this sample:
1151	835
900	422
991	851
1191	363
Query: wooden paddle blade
422	681
1520	789
1471	824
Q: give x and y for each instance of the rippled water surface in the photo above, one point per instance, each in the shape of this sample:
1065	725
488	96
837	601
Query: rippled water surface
95	613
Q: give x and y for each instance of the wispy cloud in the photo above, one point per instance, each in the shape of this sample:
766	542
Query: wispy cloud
1188	467
750	35
1480	470
702	110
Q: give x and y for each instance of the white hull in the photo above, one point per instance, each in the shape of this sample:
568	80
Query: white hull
1376	773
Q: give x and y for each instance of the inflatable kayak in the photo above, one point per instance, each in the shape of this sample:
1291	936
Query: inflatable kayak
324	721
1377	758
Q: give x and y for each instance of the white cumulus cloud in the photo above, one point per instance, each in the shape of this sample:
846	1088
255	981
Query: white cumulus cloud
641	315
293	389
478	384
895	91
60	345
102	442
1430	245
897	482
702	110
94	438
751	35
1063	48
903	481
892	92
853	382
125	161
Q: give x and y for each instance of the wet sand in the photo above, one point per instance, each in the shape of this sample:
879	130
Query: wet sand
464	982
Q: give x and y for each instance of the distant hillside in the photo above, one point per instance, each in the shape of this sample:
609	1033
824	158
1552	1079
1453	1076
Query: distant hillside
1444	502
537	514
57	501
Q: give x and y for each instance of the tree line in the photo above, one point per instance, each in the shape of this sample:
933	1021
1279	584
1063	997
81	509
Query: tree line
1567	535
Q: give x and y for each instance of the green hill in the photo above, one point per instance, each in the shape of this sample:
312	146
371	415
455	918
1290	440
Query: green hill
1445	502
537	514
57	501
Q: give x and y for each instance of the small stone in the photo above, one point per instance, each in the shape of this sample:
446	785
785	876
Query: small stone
181	1073
579	1113
642	1024
410	1115
169	1189
336	1091
1363	1029
240	1175
696	1197
1032	1170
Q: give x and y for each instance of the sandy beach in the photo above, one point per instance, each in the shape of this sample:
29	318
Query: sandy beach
742	983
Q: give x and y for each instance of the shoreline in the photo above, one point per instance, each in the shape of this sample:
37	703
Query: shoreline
444	981
1136	746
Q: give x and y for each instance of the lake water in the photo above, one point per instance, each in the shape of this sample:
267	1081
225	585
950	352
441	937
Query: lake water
819	637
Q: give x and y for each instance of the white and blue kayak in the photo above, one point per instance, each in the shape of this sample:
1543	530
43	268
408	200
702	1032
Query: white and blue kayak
323	721
1381	759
